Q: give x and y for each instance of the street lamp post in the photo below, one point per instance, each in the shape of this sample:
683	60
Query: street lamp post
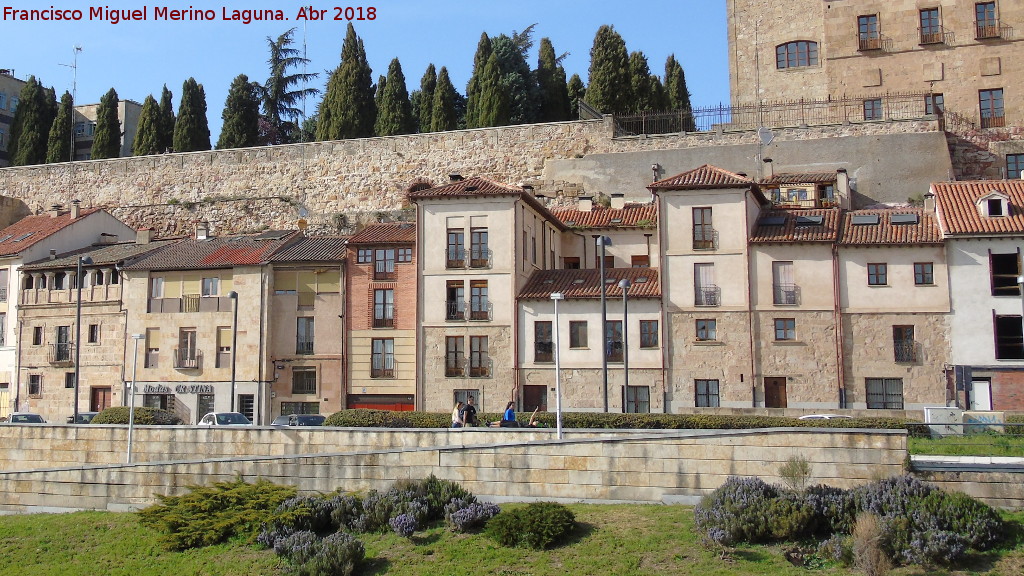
234	345
78	328
604	241
555	297
624	284
131	407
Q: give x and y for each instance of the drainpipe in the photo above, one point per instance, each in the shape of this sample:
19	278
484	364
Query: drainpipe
838	319
263	331
343	369
750	307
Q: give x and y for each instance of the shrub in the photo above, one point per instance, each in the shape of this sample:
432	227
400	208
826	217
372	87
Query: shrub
345	511
439	493
298	514
404	525
336	555
464	516
538	525
835	508
838	548
736	512
868	552
790	518
143	416
796	473
940	528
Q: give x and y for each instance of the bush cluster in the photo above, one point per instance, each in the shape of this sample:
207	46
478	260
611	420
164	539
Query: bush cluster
143	416
538	525
338	554
464	516
1015	419
920	524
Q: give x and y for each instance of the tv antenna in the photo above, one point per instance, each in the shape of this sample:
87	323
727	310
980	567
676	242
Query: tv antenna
74	96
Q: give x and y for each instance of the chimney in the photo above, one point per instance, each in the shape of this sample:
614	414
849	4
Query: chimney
618	200
202	230
843	187
75	209
53	254
143	235
769	169
586	204
55	210
929	202
455	178
107	239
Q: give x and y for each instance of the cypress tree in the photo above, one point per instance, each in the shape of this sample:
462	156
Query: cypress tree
677	93
423	99
644	93
241	115
165	128
609	88
516	80
280	100
58	145
577	93
493	105
348	109
147	134
553	92
483	54
394	111
191	131
30	128
445	116
106	141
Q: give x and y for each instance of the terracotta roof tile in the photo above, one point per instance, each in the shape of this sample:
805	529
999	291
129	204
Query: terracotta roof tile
958	211
585	284
796	226
630	216
924	231
220	252
475	186
800	178
313	249
705	177
31	229
386	233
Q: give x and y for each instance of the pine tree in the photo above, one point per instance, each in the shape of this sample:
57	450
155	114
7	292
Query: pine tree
394	111
577	93
483	54
58	145
676	91
165	128
348	109
280	101
609	87
553	92
106	141
147	134
423	99
191	131
30	128
241	115
445	115
516	80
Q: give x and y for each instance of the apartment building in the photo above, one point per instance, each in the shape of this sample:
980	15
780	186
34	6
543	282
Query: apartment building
10	90
128	112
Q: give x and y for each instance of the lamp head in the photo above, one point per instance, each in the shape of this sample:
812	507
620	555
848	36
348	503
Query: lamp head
233	295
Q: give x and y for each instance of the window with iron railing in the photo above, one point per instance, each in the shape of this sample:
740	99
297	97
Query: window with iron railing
304	330
884	393
382	359
384	264
479	253
986	21
384	308
455	305
454	356
786	294
479	306
904	347
61	352
703	232
991	104
931	29
188	358
708	295
304	380
868	36
455	253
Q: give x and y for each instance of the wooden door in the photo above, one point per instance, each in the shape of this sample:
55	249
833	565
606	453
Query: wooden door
534	396
100	400
775	392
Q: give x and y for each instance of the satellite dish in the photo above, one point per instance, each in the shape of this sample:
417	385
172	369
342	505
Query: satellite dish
765	135
303	212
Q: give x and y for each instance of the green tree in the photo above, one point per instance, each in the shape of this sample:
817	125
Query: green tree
493	105
165	129
577	93
30	128
518	82
473	96
147	134
676	92
280	97
645	87
445	97
191	131
609	88
348	109
552	90
58	145
423	99
241	115
394	111
106	141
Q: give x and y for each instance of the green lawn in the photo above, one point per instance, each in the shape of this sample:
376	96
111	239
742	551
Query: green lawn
969	445
621	540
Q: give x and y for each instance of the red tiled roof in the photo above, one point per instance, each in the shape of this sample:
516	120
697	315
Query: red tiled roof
958	211
800	178
796	226
705	177
222	252
31	229
580	284
924	231
313	249
386	233
475	186
630	216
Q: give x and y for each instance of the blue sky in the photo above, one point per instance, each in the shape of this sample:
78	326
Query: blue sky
138	57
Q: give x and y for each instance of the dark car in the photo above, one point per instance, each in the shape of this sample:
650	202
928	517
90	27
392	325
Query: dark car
299	420
83	418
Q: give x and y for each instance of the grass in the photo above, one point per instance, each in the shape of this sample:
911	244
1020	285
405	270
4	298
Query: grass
625	540
969	445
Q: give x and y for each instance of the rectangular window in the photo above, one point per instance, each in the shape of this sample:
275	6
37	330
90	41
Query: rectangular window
878	274
364	256
247	406
304	326
35	385
205	403
991	104
639	261
903	345
884	393
384	308
479	305
1009	338
455	300
785	329
873	109
224	336
868	33
1014	166
571	263
638	399
3	284
648	333
454	356
797	54
479	252
187	354
578	334
706	292
405	255
784	289
456	253
382	360
93	335
987	23
384	264
543	347
707	330
934	104
69	379
156	287
703	232
211	286
706	393
3	329
613	340
303	380
63	347
1004	268
479	358
931	30
152	348
924	274
37	335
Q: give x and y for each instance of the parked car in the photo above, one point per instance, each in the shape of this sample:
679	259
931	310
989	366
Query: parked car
824	416
299	420
25	418
225	419
83	418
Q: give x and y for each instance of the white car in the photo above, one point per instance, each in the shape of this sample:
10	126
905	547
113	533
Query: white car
824	416
225	419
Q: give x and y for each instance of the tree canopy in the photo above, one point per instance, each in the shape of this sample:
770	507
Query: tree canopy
30	128
348	109
167	120
422	100
394	111
241	115
147	135
191	131
106	141
280	97
610	87
58	145
553	94
445	100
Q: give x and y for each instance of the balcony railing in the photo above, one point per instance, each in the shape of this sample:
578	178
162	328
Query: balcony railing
544	352
383	315
786	294
304	347
383	368
455	257
993	121
481	310
475	257
866	43
934	35
455	310
190	303
482	368
905	350
988	29
188	358
480	257
705	238
709	295
382	273
61	353
454	366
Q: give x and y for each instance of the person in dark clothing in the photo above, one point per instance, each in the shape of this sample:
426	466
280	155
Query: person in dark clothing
468	413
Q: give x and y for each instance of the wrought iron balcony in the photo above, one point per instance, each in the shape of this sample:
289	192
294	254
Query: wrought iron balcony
935	35
62	353
481	310
304	347
454	365
188	358
709	295
455	257
786	294
383	368
705	238
988	29
481	368
544	352
381	271
480	257
993	121
865	43
905	350
455	310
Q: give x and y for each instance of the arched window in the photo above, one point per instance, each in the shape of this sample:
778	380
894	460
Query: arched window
796	54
